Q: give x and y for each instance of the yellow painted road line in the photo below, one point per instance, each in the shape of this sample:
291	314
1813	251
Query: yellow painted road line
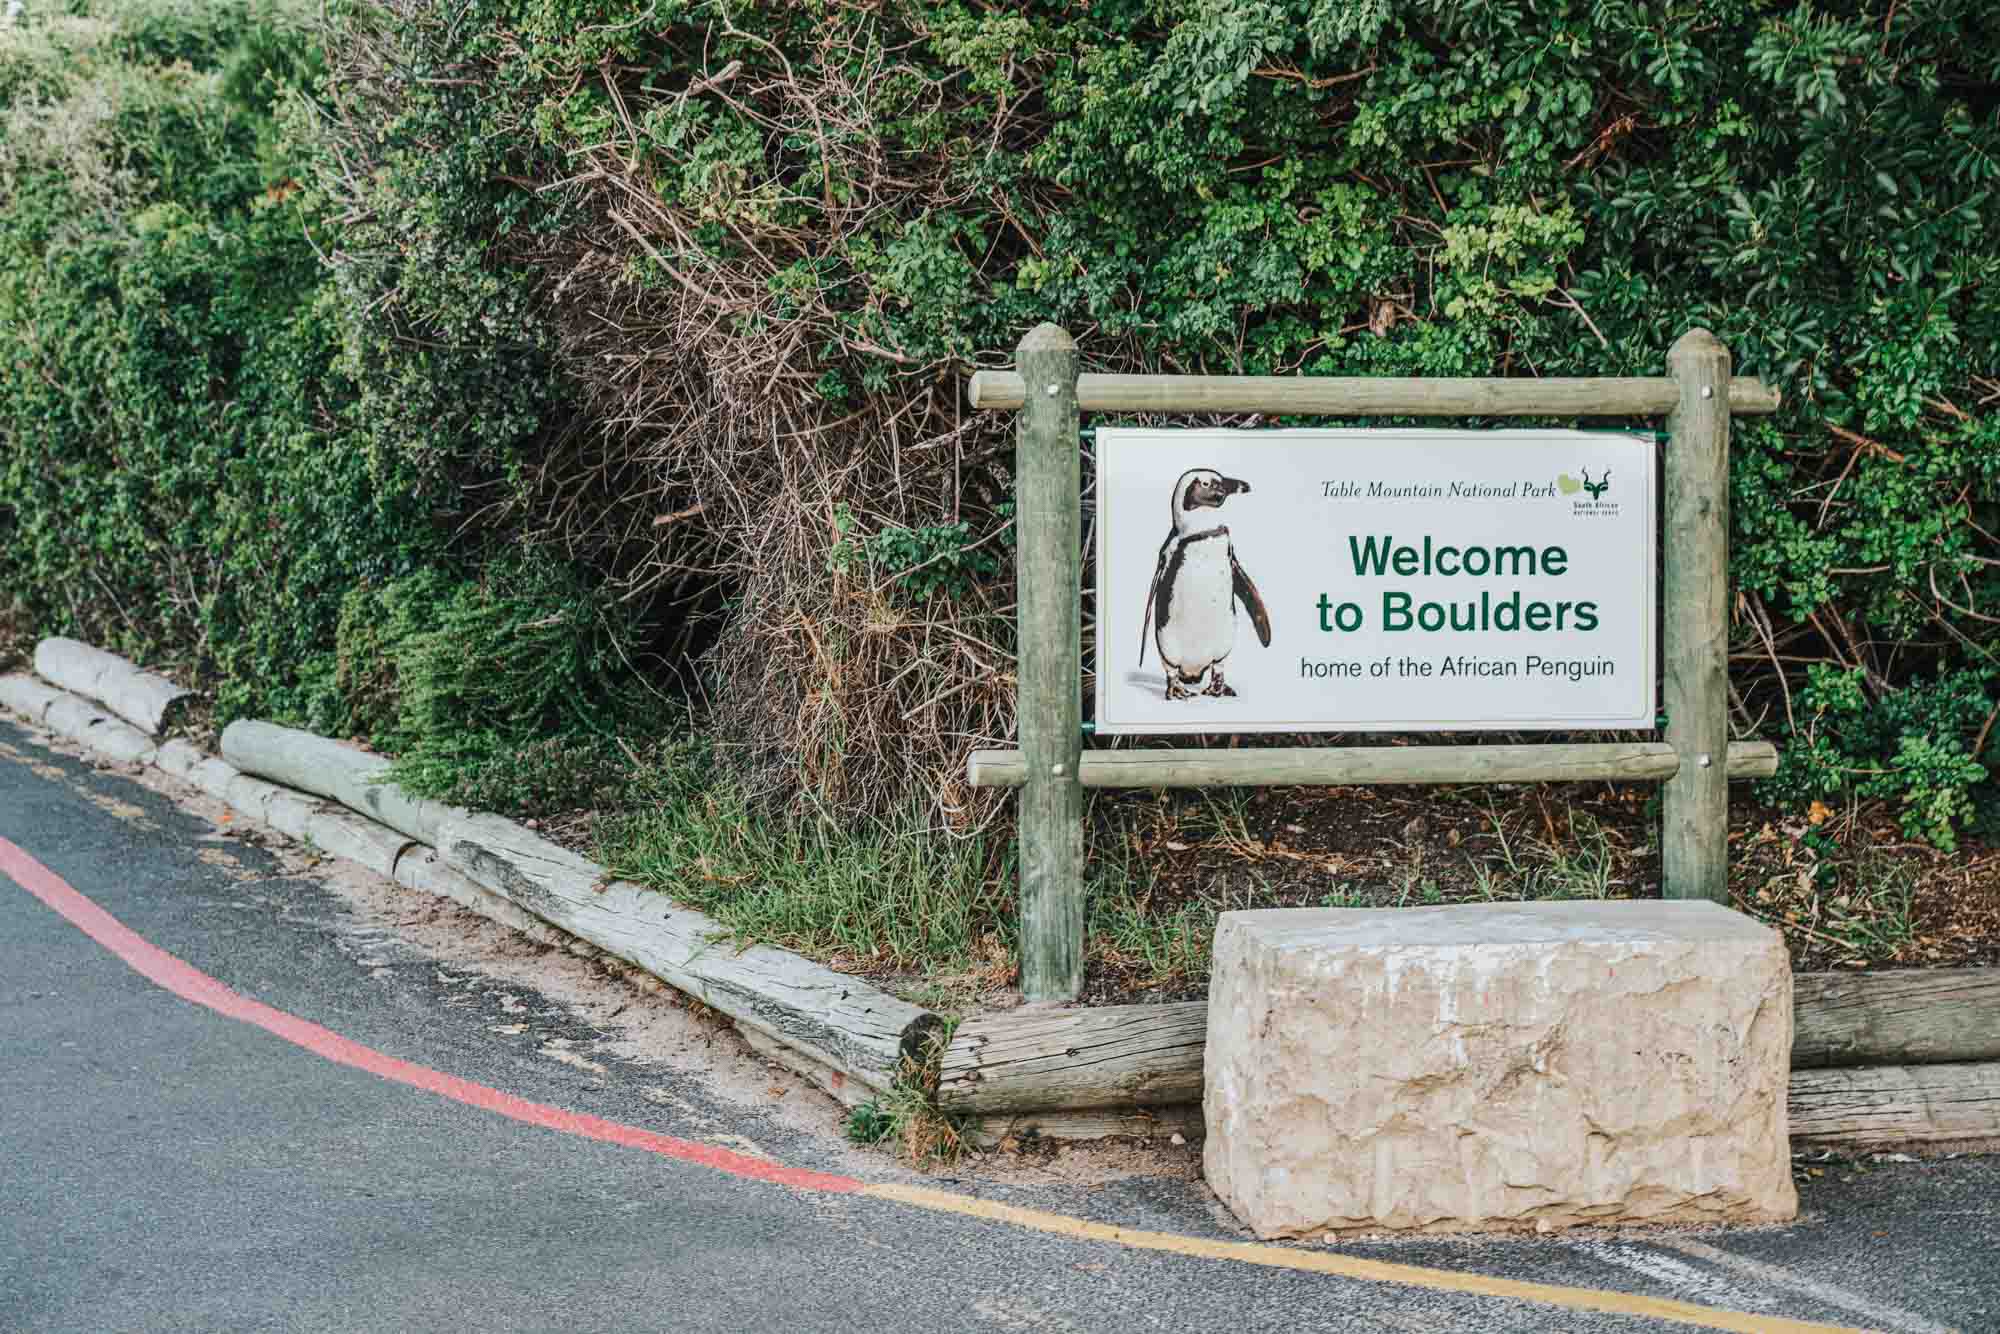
1348	1266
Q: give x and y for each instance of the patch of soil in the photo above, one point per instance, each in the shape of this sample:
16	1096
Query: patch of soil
1846	887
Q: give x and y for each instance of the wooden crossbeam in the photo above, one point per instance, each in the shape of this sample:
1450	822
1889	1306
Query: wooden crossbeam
1337	766
1366	396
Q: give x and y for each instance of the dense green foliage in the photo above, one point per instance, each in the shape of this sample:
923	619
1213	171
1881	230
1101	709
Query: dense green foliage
176	475
852	199
195	463
510	691
684	290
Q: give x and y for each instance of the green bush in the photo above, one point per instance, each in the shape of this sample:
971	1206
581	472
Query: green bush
1908	745
177	477
517	690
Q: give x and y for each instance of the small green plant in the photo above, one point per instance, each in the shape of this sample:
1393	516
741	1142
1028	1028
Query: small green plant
1912	746
870	1123
907	1118
1582	867
937	560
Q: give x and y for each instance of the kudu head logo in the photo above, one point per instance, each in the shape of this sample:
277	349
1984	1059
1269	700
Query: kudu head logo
1597	488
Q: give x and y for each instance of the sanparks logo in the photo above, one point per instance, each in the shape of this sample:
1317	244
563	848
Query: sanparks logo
1585	494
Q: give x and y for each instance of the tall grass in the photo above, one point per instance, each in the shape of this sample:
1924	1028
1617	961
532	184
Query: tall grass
878	893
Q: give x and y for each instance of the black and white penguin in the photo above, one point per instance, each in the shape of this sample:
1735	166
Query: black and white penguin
1191	608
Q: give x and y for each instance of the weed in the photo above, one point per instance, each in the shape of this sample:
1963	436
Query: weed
905	1117
1343	896
1166	942
1170	947
1222	816
870	1123
1863	906
1582	867
1870	910
1410	882
891	892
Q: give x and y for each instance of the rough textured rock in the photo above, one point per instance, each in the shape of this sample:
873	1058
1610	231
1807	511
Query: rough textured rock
1498	1066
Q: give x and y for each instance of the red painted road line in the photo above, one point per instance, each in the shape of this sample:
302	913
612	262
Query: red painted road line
190	983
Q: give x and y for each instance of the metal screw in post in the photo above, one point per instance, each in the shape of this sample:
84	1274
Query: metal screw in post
1053	391
1703	761
1056	770
1708	391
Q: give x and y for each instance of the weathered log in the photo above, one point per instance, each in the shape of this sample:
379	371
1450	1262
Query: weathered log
83	722
26	696
830	1081
327	828
212	777
1044	1060
178	758
341	833
141	698
1885	1106
1148	1123
1364	396
1334	766
839	1021
423	869
1917	1016
1126	1055
251	797
290	813
332	770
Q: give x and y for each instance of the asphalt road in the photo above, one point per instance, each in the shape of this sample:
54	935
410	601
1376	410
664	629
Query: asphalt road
169	1168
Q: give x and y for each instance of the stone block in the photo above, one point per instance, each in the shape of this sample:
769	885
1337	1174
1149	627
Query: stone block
1498	1066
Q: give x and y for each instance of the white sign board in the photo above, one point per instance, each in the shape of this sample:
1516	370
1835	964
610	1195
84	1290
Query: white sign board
1330	580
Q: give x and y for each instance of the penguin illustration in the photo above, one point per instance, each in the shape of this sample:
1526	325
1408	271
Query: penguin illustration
1191	607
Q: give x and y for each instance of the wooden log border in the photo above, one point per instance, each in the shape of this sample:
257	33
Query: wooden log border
1694	763
846	1035
1151	1055
329	769
143	699
1938	1108
841	1022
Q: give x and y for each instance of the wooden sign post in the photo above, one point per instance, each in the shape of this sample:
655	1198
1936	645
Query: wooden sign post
1694	806
1695	760
1048	519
